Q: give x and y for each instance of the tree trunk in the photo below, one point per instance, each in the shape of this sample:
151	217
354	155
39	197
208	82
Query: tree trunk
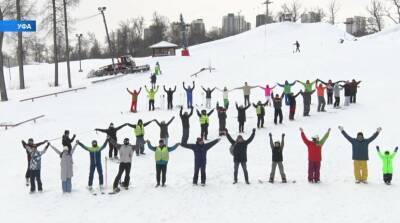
3	89
55	44
20	50
67	44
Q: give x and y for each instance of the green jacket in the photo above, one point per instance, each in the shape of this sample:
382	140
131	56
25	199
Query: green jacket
307	86
387	161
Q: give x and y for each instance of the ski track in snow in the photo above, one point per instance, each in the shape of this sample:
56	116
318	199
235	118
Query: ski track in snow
237	59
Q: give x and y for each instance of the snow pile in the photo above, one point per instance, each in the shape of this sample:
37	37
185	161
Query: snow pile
390	35
245	57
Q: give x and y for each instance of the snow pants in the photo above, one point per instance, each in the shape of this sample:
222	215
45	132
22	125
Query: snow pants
306	111
287	99
330	98
204	131
244	168
241	127
281	171
321	103
360	170
246	100
151	105
189	101
133	106
222	126
260	121
95	166
278	113
112	150
123	167
170	105
337	102
35	177
66	185
313	171
292	111
199	168
353	98
139	145
161	172
185	135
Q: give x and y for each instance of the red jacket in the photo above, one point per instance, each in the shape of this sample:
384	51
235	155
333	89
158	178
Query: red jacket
314	149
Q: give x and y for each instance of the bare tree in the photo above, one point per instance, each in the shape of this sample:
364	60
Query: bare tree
20	49
333	9
55	50
394	9
6	11
376	10
293	8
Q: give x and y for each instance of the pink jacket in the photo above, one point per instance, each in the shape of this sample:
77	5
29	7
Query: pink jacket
268	90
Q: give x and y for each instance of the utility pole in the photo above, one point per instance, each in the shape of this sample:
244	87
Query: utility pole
79	36
239	30
67	44
101	10
267	3
20	51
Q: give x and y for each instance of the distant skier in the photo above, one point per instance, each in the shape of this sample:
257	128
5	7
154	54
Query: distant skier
354	86
139	133
66	141
126	152
66	164
185	124
162	158
29	147
277	158
246	92
151	94
241	116
292	105
287	89
314	155
164	135
200	150
189	94
204	122
336	93
157	69
225	96
306	102
208	92
268	91
260	112
321	97
222	119
95	162
170	97
360	153
112	133
153	80
277	102
239	151
297	45
134	95
35	165
387	160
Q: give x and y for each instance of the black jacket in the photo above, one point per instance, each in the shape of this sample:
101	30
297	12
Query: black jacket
242	113
164	128
185	118
66	141
111	131
170	93
277	151
240	149
208	92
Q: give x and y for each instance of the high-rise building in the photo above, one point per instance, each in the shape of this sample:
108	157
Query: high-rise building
311	17
232	25
198	27
260	20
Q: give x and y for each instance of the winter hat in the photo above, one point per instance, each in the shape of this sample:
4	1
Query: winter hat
315	137
65	148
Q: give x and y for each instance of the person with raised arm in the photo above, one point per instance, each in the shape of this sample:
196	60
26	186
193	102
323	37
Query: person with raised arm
35	165
354	86
151	94
189	94
241	116
306	102
28	147
95	162
277	158
185	117
111	132
287	89
260	112
267	92
200	150
225	96
360	153
246	92
277	102
387	161
321	96
170	97
208	92
134	100
337	88
139	133
292	105
314	155
239	151
329	89
66	164
66	140
161	155
204	122
164	135
221	111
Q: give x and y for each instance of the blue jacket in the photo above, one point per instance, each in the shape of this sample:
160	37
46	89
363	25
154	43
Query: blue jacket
360	147
94	152
200	151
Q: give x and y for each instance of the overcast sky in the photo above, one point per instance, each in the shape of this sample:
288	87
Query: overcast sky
209	10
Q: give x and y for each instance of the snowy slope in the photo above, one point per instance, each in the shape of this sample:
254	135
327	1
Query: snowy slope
246	57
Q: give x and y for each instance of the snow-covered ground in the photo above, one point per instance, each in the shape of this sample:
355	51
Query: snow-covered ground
261	56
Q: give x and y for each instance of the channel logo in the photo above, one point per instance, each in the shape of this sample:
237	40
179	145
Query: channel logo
18	26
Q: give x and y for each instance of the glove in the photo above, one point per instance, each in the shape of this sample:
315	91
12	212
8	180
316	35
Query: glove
341	128
379	129
301	129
